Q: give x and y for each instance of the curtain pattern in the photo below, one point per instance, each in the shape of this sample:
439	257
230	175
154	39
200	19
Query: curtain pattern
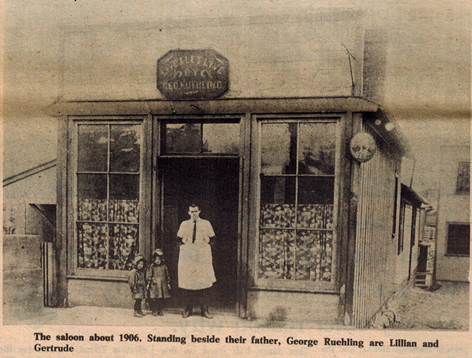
92	245
120	240
300	252
277	253
123	246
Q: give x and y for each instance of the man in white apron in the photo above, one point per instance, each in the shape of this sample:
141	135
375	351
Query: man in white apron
195	269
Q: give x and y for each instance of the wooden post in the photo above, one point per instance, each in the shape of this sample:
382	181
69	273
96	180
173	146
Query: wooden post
354	183
60	265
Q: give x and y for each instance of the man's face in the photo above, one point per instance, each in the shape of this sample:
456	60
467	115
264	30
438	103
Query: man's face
194	213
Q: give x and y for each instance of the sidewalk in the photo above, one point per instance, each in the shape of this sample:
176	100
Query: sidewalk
446	308
108	316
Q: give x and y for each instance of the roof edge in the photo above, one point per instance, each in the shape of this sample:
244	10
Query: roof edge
215	106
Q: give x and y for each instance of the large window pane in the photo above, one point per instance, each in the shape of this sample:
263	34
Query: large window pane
124	194
92	148
125	148
277	190
124	187
125	211
315	190
123	246
276	254
92	197
278	215
314	255
92	245
315	216
317	148
278	148
92	186
221	138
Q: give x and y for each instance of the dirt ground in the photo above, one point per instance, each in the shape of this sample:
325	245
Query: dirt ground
445	308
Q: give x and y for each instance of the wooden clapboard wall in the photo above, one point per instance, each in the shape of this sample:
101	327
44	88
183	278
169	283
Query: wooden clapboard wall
375	247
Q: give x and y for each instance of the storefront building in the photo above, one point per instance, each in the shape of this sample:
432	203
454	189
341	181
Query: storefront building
265	139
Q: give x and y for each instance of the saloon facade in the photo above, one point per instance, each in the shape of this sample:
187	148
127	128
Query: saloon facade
258	121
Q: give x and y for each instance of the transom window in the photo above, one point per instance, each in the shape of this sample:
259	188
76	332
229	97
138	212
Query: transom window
201	138
297	219
108	185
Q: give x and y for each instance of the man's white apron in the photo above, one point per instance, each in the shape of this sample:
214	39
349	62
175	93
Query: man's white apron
195	268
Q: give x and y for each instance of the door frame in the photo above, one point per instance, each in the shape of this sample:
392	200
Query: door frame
243	191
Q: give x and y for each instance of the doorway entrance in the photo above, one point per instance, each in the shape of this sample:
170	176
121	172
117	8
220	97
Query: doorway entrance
212	184
422	258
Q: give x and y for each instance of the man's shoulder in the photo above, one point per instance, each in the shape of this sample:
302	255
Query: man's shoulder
205	222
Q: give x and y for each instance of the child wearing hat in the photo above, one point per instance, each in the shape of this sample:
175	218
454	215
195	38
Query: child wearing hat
137	284
158	280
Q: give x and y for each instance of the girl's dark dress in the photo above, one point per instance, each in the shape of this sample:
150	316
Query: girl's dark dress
159	280
137	284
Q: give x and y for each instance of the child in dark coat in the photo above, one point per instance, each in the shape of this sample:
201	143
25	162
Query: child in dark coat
137	284
158	280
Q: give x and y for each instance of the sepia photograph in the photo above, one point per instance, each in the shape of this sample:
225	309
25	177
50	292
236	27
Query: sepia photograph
236	178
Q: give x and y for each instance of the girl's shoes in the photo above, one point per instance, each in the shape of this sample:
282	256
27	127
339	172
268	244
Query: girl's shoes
187	311
206	312
138	314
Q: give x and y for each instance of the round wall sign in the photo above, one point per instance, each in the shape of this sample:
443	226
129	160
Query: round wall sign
363	147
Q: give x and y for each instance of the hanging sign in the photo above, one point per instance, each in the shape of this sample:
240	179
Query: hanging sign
363	147
192	74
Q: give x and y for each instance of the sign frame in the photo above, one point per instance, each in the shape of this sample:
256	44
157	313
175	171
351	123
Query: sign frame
192	74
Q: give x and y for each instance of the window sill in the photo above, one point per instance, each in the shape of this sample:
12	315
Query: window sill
456	255
97	278
100	275
295	290
294	286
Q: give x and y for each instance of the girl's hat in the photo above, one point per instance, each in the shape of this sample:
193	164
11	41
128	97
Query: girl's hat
157	252
138	258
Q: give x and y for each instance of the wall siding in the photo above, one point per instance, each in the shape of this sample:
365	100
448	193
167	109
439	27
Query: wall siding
375	249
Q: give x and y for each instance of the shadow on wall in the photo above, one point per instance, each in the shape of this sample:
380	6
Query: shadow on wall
23	295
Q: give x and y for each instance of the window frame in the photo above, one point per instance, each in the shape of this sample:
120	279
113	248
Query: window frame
458	191
74	271
293	284
448	224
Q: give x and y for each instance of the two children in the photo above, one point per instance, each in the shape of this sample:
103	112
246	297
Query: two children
152	283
